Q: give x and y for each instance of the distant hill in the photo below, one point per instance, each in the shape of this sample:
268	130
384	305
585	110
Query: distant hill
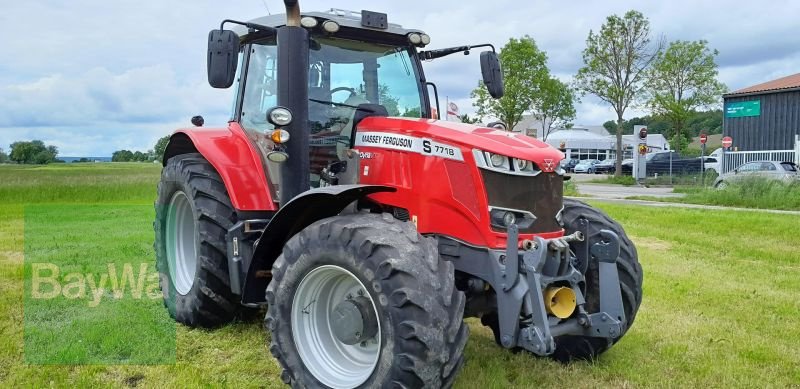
93	159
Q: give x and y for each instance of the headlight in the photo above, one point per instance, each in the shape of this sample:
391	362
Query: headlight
505	164
502	218
330	26
426	39
509	218
521	164
279	116
497	160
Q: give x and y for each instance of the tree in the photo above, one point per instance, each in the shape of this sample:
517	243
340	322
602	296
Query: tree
554	106
464	118
391	103
610	126
615	63
31	152
682	79
3	156
139	157
524	72
412	113
160	148
122	156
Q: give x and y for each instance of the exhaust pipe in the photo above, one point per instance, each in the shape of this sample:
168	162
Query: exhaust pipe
292	13
293	94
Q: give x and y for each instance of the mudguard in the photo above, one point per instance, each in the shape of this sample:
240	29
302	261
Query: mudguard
235	159
297	214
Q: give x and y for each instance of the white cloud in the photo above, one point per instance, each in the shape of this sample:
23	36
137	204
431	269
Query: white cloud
95	76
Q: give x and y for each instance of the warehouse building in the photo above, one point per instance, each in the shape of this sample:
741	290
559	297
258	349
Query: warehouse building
764	116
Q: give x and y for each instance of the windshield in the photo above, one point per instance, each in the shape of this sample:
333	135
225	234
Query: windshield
344	75
347	73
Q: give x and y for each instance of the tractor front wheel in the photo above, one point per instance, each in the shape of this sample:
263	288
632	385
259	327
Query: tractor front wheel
363	300
571	347
193	214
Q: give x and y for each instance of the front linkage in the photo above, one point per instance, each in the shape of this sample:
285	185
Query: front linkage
540	288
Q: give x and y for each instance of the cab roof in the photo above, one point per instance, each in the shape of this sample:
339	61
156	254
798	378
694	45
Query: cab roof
345	18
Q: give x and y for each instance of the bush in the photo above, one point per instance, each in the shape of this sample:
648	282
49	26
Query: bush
570	189
614	180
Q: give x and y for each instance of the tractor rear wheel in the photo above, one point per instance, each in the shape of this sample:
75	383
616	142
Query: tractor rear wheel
193	214
363	300
570	347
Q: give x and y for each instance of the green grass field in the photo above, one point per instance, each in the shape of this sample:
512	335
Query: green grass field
720	300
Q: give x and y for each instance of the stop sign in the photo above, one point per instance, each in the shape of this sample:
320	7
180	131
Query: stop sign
703	138
727	142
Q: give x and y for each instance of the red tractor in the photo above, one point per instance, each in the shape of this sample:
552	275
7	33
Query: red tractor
370	229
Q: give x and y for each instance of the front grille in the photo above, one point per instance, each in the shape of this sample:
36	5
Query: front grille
542	195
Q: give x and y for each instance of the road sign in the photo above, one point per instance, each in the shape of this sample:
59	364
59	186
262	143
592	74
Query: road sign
703	138
727	142
743	109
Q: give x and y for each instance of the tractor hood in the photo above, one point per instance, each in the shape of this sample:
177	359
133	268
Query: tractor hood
512	144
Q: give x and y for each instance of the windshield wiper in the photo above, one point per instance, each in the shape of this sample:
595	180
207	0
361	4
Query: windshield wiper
403	60
342	105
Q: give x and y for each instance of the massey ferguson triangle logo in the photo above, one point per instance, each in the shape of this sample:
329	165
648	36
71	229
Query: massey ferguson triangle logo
548	165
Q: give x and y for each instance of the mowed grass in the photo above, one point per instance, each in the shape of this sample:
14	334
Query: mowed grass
720	298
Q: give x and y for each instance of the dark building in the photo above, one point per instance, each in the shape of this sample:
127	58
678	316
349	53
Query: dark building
764	116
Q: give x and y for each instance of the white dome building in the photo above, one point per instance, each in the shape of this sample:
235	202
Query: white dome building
594	142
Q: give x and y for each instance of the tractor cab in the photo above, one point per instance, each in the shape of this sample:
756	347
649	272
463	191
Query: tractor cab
358	65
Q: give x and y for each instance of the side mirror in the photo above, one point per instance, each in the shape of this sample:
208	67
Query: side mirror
223	53
492	74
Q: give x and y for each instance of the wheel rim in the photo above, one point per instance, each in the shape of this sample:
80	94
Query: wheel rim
181	242
328	359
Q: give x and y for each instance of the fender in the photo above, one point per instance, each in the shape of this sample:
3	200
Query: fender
297	214
234	158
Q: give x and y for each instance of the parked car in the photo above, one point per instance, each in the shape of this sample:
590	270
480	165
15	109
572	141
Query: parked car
606	166
666	162
586	166
784	171
569	164
713	161
711	164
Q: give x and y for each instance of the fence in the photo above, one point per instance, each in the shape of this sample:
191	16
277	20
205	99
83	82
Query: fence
734	159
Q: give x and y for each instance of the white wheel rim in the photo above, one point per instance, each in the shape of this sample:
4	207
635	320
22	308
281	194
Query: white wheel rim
181	242
329	360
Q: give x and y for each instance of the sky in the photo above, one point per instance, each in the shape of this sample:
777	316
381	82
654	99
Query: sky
92	76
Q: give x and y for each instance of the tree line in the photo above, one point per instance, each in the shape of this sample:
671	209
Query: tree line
30	152
622	66
708	122
37	152
151	155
